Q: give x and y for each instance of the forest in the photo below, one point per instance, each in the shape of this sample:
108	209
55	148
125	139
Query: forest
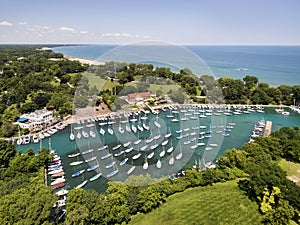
30	79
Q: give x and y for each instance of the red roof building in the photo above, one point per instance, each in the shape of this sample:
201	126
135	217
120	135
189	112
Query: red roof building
139	97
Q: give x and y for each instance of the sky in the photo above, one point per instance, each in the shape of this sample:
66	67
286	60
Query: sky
201	22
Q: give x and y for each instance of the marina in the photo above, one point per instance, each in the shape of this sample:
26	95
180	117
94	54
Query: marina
158	150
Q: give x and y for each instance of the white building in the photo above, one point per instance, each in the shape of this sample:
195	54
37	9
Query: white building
38	118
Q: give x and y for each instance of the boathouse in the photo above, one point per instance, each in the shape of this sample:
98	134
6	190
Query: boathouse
38	118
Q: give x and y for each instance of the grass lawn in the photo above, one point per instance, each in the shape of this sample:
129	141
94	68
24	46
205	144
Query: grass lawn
292	170
100	83
164	88
222	203
154	87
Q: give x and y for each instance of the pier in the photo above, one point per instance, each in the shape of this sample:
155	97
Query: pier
268	128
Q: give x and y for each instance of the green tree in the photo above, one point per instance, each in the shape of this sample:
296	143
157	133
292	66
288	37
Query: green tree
178	97
30	205
7	152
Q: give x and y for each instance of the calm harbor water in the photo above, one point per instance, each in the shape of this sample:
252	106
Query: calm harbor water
189	123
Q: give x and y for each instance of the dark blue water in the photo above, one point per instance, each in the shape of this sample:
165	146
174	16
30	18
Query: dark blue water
275	65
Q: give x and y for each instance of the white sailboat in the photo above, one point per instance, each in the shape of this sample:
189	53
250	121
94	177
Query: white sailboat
72	136
131	169
102	131
179	156
162	153
158	164
150	156
146	164
171	148
171	160
114	172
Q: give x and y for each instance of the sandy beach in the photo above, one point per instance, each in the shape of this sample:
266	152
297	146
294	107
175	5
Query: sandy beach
85	61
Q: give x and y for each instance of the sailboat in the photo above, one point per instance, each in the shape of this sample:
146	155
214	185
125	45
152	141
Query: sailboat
75	163
171	160
170	115
167	135
74	154
106	156
157	124
146	164
162	153
99	174
114	172
133	128
145	126
72	136
96	177
136	156
111	164
141	129
102	131
171	148
179	156
81	184
158	164
92	134
123	161
121	130
150	155
78	173
131	169
91	168
175	120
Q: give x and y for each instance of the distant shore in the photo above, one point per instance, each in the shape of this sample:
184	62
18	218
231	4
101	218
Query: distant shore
85	61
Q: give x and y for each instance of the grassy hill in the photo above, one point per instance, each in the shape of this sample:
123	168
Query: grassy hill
221	203
292	170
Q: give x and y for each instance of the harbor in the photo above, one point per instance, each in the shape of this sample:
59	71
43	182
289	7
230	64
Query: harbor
159	143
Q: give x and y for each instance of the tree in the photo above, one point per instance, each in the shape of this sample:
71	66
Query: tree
7	152
30	205
117	202
250	81
275	209
78	213
178	97
149	198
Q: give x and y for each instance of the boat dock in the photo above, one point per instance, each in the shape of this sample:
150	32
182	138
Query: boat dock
268	128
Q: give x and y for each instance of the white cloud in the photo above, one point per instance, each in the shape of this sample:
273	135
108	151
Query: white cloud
22	23
117	35
39	28
125	35
5	24
83	32
67	29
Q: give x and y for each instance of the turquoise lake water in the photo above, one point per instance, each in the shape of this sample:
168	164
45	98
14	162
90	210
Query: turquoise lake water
238	135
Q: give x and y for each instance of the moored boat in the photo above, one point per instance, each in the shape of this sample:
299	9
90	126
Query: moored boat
96	177
82	184
76	163
78	173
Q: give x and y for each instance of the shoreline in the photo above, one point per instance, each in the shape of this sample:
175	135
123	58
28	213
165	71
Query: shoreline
73	119
84	61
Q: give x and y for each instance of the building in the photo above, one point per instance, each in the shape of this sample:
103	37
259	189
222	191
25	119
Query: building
37	119
138	97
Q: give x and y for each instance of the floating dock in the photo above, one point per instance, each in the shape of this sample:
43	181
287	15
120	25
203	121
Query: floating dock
268	128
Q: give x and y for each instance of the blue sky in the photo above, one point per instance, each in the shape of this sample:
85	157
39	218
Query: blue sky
205	22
